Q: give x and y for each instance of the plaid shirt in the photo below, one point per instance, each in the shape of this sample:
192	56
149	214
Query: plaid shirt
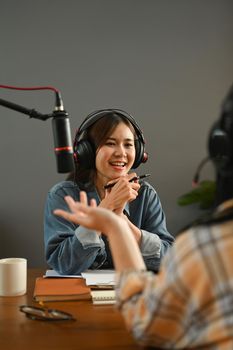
189	304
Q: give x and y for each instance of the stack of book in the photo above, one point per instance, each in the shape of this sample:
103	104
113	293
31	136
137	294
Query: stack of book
96	285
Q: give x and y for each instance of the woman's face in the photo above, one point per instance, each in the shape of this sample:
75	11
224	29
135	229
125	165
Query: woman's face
116	156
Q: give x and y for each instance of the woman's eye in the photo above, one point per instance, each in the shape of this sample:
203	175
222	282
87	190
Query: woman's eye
129	145
110	143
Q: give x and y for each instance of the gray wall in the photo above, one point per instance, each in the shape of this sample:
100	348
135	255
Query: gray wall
168	63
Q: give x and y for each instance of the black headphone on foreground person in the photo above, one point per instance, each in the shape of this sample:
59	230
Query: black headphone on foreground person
84	151
220	142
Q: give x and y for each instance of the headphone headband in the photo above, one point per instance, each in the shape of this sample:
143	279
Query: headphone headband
96	115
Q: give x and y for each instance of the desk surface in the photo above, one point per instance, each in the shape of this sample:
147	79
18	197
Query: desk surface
96	326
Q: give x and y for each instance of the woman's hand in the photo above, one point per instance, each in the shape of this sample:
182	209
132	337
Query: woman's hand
122	192
91	217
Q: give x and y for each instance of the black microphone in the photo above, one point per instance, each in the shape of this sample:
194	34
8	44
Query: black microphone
195	180
62	138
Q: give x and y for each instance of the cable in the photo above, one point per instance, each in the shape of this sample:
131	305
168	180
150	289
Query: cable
29	88
58	104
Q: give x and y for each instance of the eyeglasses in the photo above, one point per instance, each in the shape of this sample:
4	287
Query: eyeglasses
45	314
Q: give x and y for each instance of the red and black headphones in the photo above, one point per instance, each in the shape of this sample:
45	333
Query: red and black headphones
84	151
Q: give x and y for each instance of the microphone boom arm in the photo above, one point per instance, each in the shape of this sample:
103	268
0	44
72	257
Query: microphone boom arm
32	113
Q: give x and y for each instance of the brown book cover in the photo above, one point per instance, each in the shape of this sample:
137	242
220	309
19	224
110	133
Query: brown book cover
56	289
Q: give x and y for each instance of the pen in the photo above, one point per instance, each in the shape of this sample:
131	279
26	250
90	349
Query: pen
133	179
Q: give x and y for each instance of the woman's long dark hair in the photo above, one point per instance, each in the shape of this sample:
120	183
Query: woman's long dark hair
96	135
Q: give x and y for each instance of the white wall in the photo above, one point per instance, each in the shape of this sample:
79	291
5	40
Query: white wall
168	63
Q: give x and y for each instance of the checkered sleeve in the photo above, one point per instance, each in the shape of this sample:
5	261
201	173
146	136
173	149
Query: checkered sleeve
153	304
190	302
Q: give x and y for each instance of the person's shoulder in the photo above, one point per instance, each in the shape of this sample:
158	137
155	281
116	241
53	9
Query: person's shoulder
64	188
146	186
146	189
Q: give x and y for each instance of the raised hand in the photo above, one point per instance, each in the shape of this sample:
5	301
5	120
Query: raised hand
88	216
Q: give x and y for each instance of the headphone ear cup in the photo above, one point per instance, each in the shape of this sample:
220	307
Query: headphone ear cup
139	154
219	146
84	154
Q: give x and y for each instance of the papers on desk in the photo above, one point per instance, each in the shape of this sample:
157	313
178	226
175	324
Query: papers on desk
52	273
99	278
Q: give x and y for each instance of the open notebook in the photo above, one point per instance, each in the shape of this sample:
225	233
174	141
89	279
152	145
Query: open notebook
104	296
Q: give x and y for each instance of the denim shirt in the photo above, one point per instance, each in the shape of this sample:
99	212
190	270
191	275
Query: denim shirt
71	249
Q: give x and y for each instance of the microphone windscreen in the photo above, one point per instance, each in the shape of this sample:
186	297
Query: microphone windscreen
63	143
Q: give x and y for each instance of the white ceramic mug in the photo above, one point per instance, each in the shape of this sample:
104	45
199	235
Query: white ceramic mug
13	276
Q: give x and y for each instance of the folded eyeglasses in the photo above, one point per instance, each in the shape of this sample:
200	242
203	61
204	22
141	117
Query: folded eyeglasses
45	314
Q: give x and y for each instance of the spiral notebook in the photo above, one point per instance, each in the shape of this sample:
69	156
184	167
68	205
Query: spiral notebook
100	297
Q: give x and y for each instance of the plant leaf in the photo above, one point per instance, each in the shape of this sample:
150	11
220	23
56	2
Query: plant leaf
204	194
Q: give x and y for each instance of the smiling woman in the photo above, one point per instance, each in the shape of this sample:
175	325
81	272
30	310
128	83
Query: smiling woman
107	146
